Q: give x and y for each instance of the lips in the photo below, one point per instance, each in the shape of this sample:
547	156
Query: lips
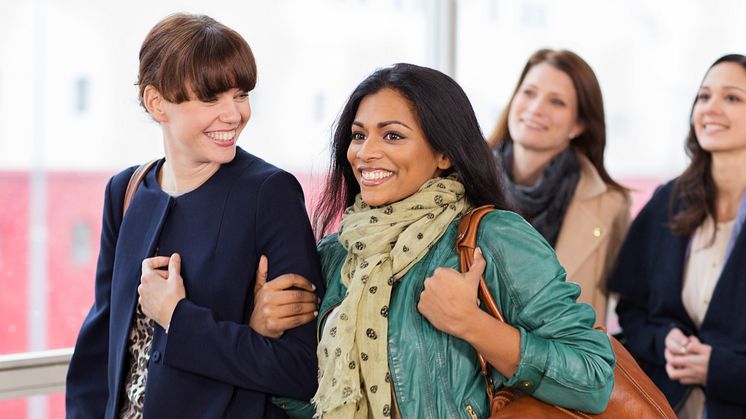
529	123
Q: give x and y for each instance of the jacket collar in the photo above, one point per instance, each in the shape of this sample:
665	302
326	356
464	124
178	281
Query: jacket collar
590	184
582	230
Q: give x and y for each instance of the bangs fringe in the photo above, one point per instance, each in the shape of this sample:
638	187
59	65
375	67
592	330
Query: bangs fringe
209	65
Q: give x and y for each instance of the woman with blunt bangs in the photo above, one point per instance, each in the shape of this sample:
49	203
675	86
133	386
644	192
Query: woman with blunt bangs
550	141
399	325
170	333
681	275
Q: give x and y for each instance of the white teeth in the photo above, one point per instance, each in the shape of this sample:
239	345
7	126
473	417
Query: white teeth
713	127
532	124
376	174
222	135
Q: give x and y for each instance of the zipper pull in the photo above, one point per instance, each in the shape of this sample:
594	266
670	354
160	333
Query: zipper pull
470	411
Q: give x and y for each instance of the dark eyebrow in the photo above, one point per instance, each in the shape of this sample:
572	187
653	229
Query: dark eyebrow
382	124
728	87
552	93
735	88
385	123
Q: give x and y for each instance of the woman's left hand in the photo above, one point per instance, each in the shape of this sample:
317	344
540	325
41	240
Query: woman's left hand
160	291
449	300
689	366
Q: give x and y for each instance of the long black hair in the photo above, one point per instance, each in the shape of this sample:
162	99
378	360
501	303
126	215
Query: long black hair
450	126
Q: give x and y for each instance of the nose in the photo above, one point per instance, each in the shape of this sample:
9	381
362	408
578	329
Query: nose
230	111
369	149
535	106
712	106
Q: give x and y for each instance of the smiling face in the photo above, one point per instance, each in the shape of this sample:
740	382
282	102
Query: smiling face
544	112
197	132
389	155
719	114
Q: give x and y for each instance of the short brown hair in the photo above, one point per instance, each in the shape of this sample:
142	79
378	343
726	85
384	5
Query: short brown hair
592	141
194	55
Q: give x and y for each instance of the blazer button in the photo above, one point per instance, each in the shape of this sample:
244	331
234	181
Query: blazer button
156	356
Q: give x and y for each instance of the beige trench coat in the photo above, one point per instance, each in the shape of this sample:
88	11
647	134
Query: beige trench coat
592	232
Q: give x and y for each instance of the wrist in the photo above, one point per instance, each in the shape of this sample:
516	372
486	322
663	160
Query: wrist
165	321
472	325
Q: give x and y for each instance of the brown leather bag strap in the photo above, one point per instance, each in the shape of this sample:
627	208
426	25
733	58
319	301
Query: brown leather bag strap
466	242
134	182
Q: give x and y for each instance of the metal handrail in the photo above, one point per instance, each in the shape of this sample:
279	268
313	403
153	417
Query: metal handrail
31	373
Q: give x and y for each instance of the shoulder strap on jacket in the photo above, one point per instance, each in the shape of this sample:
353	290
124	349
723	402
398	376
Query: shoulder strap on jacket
135	181
466	242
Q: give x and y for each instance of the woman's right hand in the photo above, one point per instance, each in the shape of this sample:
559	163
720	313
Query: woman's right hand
687	359
278	308
676	341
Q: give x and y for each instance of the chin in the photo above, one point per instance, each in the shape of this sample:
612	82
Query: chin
224	156
374	200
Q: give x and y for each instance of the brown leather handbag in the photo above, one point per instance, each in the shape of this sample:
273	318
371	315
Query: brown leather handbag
634	394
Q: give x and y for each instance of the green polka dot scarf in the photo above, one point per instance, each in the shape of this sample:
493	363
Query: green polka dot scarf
382	244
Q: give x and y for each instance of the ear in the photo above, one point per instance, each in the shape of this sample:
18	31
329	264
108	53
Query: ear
444	163
153	102
578	129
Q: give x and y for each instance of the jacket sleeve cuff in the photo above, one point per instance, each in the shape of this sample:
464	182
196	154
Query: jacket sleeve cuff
725	374
531	367
173	330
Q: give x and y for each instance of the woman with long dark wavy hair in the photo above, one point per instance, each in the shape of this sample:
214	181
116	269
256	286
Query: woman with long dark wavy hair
399	324
680	273
550	141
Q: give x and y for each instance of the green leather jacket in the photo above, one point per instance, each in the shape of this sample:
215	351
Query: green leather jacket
564	361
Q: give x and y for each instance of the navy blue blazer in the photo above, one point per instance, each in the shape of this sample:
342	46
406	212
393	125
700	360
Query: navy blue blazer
649	276
211	364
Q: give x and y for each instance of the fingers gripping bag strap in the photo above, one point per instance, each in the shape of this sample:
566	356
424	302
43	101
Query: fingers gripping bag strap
135	181
634	395
466	242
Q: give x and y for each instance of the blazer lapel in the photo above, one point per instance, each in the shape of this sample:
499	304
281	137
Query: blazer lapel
138	238
730	287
